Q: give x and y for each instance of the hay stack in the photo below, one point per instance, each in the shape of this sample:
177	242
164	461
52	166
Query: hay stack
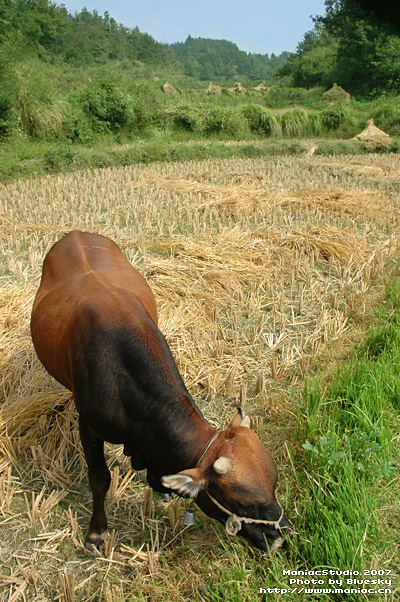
169	88
372	137
310	152
213	89
336	94
262	88
238	89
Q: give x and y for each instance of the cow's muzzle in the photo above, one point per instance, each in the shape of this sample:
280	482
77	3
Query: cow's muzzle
262	533
267	537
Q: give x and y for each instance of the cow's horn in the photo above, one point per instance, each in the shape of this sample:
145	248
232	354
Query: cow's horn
222	465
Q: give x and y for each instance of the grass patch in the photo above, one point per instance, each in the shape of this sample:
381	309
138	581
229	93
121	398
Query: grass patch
345	483
348	434
26	158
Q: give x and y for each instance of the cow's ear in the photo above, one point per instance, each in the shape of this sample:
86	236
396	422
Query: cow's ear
240	419
188	482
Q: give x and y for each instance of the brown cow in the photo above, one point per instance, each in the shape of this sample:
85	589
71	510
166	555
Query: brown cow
94	327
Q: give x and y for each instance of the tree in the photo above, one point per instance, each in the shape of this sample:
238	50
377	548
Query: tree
368	56
314	63
4	14
352	45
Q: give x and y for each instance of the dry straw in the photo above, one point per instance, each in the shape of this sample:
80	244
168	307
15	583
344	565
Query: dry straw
256	266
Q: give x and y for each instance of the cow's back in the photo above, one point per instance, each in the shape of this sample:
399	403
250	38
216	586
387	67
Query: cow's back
86	283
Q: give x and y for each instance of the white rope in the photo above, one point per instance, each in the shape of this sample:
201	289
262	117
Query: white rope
213	438
234	522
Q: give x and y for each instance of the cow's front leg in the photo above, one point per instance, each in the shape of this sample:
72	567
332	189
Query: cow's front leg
99	482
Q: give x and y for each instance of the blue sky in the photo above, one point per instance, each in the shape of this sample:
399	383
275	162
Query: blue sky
254	25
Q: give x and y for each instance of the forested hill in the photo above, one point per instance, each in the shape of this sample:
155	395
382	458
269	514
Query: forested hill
206	59
84	38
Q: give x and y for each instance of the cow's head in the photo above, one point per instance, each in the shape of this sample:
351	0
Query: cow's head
237	476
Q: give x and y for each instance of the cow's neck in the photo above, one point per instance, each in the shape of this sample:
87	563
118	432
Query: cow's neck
181	435
172	432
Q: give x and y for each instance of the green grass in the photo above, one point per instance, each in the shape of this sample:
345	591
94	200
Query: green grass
350	453
345	484
86	123
24	158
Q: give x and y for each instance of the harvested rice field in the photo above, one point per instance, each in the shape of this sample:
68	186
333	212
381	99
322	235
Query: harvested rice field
263	271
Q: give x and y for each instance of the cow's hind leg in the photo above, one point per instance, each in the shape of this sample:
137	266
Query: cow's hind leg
99	482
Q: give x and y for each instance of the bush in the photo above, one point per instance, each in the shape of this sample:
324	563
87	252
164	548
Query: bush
6	116
387	116
222	120
144	109
58	158
105	104
40	119
295	123
260	120
185	117
77	126
39	112
334	117
315	123
283	96
341	121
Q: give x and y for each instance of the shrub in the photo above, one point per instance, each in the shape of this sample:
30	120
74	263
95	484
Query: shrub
334	117
6	116
295	123
260	120
282	96
39	112
77	126
105	104
144	106
315	123
185	117
387	116
222	120
58	158
41	119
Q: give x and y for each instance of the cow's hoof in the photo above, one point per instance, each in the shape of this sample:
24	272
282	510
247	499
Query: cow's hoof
95	543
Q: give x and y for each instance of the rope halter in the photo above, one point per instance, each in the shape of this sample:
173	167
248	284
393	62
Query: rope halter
213	438
234	522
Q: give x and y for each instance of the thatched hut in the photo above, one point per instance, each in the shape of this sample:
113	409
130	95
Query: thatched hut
238	89
372	137
213	89
336	94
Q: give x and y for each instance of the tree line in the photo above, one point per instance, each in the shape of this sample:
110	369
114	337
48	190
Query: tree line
79	75
353	44
207	59
49	30
87	37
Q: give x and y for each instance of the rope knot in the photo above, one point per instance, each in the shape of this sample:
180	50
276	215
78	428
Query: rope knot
233	524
